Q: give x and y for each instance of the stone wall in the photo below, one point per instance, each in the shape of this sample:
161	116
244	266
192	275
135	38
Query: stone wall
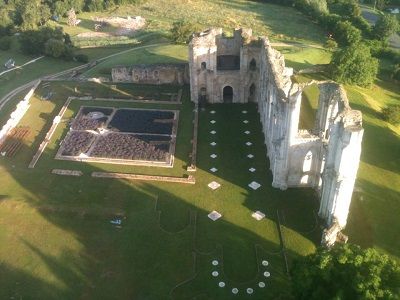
207	81
175	74
325	158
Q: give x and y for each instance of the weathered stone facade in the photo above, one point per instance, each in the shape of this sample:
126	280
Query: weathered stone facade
176	74
244	69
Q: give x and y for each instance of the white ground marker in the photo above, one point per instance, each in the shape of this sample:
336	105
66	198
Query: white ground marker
214	185
214	215
258	215
254	185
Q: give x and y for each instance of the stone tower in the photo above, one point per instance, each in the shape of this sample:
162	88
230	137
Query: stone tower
224	69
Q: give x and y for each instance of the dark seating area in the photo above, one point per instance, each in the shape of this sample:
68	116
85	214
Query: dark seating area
228	62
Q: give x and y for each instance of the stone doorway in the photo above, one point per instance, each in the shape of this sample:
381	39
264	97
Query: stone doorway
228	94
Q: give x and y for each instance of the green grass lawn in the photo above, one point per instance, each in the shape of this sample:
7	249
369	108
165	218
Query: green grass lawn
264	18
57	241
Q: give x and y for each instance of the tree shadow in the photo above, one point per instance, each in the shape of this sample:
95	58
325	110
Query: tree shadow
151	253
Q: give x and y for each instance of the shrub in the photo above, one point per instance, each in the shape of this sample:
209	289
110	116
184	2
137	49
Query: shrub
182	30
315	8
362	24
54	48
392	114
82	58
5	43
385	26
346	34
345	8
331	44
354	65
376	47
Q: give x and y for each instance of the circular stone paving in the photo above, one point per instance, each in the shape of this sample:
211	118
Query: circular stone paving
261	284
265	263
215	273
235	291
221	284
215	262
267	274
249	291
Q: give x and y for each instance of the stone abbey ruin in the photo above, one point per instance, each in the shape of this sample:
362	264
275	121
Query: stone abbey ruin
243	69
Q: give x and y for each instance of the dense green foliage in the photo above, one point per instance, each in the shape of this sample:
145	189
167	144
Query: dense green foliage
46	40
385	26
354	65
346	272
181	31
346	34
392	113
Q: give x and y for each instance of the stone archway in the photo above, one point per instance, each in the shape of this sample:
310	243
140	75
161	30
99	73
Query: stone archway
228	94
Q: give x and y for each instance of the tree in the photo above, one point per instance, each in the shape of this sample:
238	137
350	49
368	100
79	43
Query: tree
48	41
95	5
345	8
182	30
385	26
345	272
346	34
31	13
354	65
54	48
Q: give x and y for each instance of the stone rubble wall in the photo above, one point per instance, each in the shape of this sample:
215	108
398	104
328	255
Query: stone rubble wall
175	74
188	180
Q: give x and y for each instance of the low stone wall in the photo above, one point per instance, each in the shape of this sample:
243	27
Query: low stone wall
67	172
17	114
188	180
193	155
175	74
